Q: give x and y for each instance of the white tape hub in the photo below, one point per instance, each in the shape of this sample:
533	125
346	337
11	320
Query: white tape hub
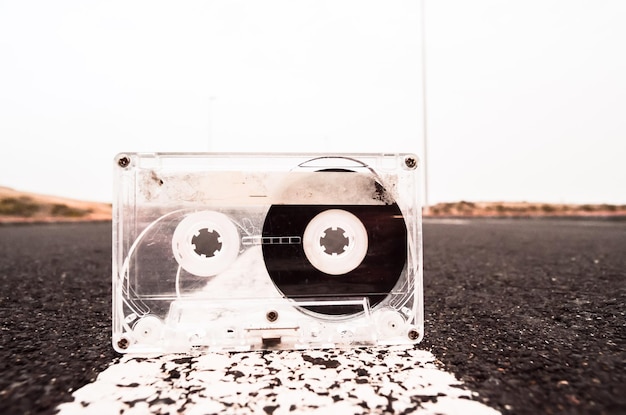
205	243
335	242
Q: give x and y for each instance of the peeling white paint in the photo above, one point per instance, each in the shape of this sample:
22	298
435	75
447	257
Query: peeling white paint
374	380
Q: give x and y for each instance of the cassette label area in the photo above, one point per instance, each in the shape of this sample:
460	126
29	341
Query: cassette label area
265	251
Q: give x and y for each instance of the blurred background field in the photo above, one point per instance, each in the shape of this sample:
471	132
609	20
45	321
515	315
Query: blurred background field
17	206
524	209
23	207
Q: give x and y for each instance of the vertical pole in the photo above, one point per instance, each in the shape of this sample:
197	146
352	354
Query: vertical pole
210	135
426	209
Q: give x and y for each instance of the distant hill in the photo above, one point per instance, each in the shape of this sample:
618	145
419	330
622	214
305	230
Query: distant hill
17	206
522	209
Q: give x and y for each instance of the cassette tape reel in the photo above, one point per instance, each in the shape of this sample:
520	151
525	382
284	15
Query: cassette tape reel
260	251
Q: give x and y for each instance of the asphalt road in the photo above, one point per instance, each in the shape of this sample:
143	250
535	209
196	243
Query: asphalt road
528	312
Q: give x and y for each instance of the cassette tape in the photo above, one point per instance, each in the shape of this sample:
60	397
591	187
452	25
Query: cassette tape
265	251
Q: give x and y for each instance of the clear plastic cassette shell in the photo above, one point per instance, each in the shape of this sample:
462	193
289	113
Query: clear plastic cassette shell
265	251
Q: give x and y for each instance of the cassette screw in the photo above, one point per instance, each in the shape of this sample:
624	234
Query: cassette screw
271	316
410	162
123	343
123	161
413	334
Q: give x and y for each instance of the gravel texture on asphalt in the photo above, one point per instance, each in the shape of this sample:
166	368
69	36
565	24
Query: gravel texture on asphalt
528	312
55	311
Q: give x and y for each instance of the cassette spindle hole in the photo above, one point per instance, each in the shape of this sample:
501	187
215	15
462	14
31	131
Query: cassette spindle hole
207	243
334	241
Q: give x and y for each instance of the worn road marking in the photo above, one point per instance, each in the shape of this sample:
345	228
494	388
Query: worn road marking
378	380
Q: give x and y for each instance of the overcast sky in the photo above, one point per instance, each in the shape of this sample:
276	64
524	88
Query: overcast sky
525	100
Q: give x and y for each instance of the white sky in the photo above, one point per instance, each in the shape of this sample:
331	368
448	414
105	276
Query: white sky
526	100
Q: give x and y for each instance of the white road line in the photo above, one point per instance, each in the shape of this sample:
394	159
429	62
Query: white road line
377	380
